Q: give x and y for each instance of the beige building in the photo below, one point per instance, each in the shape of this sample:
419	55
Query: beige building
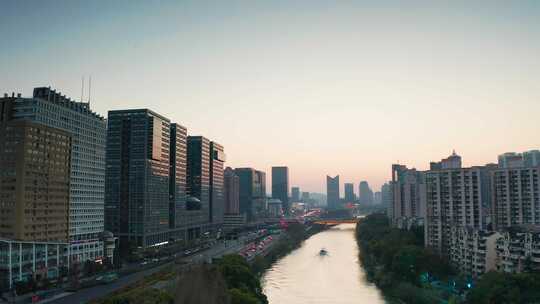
34	182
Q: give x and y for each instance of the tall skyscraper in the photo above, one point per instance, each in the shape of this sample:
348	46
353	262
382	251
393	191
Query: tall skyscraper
137	179
409	195
349	193
217	202
516	199
365	194
386	198
259	195
232	191
87	174
198	174
295	194
179	219
280	186
35	171
332	192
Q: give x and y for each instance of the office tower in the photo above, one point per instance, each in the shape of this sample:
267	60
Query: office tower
455	198
280	186
35	171
232	191
259	196
349	192
295	194
409	196
305	197
217	202
179	219
87	173
365	194
332	192
198	174
252	188
137	179
516	199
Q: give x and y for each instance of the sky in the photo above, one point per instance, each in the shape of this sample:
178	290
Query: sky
323	87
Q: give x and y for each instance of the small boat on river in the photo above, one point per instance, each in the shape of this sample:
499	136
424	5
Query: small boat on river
323	252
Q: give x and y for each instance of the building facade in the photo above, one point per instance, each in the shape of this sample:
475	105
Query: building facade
280	186
137	179
515	197
455	198
217	200
34	178
87	173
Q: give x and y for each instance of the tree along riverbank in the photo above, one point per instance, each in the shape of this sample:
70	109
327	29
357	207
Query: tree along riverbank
396	261
399	265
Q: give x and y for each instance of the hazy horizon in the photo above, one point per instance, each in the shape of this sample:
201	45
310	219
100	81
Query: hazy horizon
324	88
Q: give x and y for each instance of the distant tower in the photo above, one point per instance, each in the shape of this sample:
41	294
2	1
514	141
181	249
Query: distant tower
332	192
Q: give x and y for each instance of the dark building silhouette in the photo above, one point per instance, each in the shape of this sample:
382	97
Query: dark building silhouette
179	219
365	194
252	192
280	186
295	194
332	192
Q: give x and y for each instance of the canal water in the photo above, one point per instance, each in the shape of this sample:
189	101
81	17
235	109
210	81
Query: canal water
304	276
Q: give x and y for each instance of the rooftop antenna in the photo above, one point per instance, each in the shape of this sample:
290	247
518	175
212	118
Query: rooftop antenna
82	89
89	89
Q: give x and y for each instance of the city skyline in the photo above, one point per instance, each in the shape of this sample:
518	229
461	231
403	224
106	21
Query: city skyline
373	69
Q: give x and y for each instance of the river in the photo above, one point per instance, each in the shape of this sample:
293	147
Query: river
305	277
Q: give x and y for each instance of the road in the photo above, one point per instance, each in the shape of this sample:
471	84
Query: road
100	291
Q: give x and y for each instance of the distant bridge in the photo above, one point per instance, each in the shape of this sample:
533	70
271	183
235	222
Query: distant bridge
331	222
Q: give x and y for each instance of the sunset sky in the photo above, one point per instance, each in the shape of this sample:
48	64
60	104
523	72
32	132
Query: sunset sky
323	87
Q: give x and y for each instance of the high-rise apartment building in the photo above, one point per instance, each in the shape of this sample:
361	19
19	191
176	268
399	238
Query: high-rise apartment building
332	192
409	196
516	160
35	172
280	186
457	197
87	173
349	193
295	194
515	197
365	194
232	191
137	180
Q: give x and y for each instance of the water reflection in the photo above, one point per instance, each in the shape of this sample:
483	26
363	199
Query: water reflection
304	276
